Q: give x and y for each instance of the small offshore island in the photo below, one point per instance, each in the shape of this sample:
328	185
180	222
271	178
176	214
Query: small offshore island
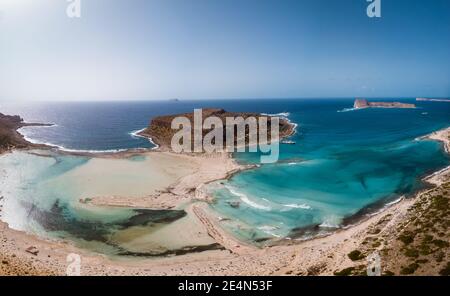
362	103
411	236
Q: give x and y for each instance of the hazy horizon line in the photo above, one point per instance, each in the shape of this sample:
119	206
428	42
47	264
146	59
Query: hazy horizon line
217	99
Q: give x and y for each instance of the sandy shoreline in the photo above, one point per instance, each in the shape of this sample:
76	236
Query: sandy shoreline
443	137
183	187
318	256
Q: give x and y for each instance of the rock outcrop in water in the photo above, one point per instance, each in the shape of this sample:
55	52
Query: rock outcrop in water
362	103
161	133
9	137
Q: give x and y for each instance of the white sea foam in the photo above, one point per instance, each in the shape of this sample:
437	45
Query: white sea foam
62	148
273	234
281	114
330	222
298	206
269	230
23	132
421	138
135	134
395	201
246	200
34	141
437	173
285	116
326	224
294	124
348	110
91	151
387	205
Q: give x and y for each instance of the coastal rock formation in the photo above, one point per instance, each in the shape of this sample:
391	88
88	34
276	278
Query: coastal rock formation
161	133
362	103
9	137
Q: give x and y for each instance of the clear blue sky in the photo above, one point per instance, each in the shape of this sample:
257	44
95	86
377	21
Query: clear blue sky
200	49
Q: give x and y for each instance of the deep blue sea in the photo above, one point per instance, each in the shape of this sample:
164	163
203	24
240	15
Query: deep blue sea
343	161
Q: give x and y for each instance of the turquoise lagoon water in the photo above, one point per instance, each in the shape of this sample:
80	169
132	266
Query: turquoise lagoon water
40	196
343	162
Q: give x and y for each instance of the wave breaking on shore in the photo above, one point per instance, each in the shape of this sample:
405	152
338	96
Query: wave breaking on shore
133	134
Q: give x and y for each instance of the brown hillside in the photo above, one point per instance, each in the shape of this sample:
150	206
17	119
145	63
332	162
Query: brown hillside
161	133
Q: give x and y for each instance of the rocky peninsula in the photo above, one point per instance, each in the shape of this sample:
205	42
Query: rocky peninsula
362	103
10	138
161	132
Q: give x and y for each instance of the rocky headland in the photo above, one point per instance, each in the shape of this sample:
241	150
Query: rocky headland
10	138
161	132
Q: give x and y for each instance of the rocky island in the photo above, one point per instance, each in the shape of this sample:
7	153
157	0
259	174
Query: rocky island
161	133
9	137
362	103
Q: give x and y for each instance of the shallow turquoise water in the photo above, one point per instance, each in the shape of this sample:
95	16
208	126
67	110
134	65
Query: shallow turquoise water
342	162
38	197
